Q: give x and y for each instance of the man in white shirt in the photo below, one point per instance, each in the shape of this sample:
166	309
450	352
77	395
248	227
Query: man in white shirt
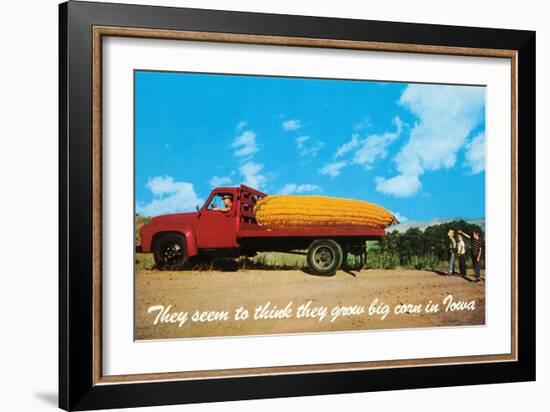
461	252
452	252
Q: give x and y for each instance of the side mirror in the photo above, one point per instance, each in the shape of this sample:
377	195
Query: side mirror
198	210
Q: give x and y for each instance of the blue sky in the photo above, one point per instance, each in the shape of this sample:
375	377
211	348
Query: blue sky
416	149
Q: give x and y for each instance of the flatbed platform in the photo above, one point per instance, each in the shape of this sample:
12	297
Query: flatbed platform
318	232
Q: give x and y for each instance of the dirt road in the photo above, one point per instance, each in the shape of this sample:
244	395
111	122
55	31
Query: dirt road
212	293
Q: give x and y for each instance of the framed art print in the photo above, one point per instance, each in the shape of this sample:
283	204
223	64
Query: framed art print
259	205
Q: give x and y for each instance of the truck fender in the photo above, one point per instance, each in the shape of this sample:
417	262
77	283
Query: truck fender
191	242
149	234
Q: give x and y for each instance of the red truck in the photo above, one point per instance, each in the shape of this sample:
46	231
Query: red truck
175	238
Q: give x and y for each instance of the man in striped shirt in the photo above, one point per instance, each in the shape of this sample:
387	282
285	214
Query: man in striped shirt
476	248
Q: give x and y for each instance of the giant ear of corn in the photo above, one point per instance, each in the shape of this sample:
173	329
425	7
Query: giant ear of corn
285	211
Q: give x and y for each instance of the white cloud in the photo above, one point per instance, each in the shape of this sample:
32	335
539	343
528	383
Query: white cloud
308	150
363	124
288	189
400	218
307	188
220	181
311	150
367	150
333	169
375	146
399	186
245	144
162	185
292	124
446	117
349	146
169	197
242	124
292	188
252	177
301	140
249	170
475	154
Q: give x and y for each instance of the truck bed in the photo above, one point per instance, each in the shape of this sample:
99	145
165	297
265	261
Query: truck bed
248	227
337	232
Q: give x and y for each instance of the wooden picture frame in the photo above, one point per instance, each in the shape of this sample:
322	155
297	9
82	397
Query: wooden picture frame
82	385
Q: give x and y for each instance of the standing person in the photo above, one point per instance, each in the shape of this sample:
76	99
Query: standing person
476	248
452	252
461	252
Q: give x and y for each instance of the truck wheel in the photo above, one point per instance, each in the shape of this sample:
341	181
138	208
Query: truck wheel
324	257
170	252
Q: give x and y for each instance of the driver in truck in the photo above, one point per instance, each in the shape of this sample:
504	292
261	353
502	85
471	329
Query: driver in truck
227	204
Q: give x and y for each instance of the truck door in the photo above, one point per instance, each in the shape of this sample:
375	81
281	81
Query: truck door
217	228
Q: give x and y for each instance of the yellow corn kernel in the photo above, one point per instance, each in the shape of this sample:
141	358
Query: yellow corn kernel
285	211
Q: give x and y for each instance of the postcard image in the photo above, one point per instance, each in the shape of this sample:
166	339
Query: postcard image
285	205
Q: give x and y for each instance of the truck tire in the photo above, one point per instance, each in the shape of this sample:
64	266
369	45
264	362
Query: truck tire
324	257
170	252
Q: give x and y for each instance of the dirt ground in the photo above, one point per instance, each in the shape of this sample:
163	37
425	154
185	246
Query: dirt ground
216	291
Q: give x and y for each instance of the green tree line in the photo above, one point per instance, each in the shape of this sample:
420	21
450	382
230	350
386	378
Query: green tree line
417	249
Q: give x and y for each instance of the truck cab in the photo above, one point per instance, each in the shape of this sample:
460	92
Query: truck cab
208	229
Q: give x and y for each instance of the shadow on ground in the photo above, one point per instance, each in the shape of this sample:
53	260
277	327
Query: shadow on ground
445	274
233	265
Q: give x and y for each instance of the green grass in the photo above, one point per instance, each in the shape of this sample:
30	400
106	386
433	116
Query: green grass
145	261
139	222
379	260
276	260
